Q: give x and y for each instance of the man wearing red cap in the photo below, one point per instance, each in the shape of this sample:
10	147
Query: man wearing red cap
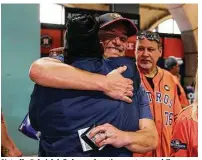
45	71
114	32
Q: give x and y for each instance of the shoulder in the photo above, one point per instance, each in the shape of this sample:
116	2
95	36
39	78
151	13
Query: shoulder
132	70
168	76
184	124
185	113
121	60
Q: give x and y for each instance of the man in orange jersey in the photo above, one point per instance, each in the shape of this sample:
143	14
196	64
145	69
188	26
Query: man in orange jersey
185	131
172	65
161	90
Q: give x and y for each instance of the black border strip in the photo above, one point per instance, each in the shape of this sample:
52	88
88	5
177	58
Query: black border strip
52	26
169	35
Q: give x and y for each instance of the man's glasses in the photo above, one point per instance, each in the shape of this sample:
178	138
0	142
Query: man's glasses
152	36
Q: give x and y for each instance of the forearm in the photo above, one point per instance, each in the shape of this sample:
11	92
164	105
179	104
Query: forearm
141	141
52	73
146	138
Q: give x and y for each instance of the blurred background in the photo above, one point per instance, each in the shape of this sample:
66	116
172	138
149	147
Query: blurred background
29	31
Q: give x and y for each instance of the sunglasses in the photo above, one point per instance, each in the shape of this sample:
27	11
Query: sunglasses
152	36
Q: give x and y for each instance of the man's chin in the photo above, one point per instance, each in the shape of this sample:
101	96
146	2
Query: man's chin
145	66
108	55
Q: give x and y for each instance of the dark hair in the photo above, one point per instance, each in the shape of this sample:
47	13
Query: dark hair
81	39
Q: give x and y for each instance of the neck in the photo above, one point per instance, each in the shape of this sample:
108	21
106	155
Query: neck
173	72
149	73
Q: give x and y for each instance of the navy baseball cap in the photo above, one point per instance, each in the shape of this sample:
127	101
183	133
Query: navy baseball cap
113	18
171	62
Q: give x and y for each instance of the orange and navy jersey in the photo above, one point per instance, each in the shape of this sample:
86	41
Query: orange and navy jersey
165	105
182	96
184	141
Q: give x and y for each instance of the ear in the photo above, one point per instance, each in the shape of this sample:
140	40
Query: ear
102	47
160	50
136	48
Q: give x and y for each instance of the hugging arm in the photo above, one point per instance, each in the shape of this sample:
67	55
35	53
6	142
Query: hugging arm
53	73
141	141
146	138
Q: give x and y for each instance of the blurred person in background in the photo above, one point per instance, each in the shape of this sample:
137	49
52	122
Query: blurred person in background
185	133
8	147
172	65
189	90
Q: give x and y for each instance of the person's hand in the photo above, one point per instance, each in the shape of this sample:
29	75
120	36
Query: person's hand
119	87
56	51
108	134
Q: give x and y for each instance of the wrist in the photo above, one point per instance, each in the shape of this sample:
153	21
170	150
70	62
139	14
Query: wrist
127	138
102	83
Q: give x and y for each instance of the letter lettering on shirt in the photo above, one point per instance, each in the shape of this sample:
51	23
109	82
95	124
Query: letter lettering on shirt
166	99
171	103
158	97
149	96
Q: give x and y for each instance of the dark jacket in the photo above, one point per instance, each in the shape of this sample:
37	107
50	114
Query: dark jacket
58	114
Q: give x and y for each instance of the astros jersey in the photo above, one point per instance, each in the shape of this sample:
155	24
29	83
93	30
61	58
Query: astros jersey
165	105
182	96
185	135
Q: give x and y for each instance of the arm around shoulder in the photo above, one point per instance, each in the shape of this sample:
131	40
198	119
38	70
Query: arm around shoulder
37	68
53	73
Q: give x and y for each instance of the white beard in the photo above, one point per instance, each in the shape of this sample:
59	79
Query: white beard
145	66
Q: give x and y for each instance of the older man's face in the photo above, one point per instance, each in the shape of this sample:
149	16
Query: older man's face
147	54
115	41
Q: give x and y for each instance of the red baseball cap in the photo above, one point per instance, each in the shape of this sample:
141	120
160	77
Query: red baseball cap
112	18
